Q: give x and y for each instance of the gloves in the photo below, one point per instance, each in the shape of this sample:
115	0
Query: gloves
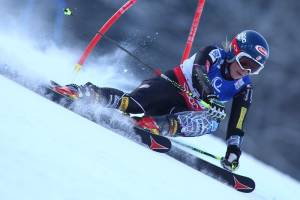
217	110
231	160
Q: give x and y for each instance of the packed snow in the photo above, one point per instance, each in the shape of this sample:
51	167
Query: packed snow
49	152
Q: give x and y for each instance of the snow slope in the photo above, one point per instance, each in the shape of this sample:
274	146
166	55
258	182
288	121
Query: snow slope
48	152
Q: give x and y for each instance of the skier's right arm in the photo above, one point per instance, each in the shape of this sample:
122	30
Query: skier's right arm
203	61
202	64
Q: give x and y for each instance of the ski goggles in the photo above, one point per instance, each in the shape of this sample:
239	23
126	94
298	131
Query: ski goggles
248	63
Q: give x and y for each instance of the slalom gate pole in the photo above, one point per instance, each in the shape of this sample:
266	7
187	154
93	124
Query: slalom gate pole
103	30
193	30
156	71
197	150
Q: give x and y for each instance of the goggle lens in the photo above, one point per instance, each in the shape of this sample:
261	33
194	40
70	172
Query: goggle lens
249	64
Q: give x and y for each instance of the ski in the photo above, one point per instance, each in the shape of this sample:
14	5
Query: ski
238	182
156	143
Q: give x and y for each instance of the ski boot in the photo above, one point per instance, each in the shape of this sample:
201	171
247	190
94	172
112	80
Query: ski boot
148	123
166	125
69	91
76	92
92	94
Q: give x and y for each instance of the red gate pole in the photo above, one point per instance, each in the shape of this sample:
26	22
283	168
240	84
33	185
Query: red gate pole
103	30
193	30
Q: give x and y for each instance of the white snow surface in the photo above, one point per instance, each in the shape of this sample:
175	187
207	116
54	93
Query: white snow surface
49	152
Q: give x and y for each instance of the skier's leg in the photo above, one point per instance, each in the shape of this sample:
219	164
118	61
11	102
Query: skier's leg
154	97
107	97
186	124
157	97
195	123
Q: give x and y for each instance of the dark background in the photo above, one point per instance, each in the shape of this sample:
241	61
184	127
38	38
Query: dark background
156	31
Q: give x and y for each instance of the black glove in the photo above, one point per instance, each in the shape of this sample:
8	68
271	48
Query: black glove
231	160
217	110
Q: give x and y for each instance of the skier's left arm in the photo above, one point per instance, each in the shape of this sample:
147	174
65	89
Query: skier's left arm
235	131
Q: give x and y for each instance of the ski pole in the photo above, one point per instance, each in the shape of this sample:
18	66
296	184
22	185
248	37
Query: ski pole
157	71
198	150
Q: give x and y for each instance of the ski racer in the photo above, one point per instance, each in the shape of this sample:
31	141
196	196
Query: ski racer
215	75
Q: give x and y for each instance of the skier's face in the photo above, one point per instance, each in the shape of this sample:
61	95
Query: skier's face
236	72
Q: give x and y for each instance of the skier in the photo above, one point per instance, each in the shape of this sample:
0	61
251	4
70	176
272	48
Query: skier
214	74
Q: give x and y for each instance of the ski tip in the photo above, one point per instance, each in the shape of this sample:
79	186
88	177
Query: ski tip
244	187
